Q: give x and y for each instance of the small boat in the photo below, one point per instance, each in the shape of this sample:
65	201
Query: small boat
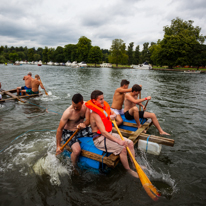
145	65
91	157
68	63
56	64
39	63
82	64
192	71
74	64
12	96
50	63
107	65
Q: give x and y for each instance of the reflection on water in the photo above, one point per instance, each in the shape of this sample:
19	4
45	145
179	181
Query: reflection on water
32	175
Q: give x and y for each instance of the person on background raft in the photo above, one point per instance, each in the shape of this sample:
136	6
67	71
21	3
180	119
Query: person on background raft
118	100
131	110
27	86
75	116
101	125
35	83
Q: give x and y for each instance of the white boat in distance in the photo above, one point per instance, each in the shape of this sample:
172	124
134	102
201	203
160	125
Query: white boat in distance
145	65
82	64
56	64
50	63
68	63
74	64
106	65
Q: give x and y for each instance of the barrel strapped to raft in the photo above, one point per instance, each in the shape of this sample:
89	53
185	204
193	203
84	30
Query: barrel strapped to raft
104	114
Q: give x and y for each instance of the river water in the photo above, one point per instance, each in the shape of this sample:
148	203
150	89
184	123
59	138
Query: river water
32	175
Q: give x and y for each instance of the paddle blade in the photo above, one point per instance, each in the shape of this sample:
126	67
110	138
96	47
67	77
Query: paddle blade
148	186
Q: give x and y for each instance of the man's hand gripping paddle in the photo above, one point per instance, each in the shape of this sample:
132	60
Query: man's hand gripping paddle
149	188
69	140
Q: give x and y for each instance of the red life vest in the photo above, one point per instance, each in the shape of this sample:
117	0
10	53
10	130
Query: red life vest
104	113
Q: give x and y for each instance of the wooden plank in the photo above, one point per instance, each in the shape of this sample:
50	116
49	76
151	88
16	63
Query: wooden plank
130	124
14	96
91	155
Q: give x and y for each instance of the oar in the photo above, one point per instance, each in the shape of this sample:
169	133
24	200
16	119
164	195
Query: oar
146	104
149	188
44	88
69	140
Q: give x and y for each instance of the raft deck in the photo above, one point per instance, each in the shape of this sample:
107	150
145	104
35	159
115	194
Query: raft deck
15	97
91	152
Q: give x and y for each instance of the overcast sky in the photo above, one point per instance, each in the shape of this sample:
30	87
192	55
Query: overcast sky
40	23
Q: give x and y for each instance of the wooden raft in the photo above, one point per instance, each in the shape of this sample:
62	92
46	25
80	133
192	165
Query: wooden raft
14	97
113	160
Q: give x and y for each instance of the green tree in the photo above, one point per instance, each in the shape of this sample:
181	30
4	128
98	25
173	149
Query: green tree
130	53
59	54
137	55
21	55
118	52
83	47
145	55
31	54
105	55
40	52
179	44
95	55
36	57
51	54
45	54
13	56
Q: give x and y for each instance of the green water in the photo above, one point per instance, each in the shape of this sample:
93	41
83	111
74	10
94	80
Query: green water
32	175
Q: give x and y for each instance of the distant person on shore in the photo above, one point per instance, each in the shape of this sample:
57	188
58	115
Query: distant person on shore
118	100
131	111
27	86
35	83
75	116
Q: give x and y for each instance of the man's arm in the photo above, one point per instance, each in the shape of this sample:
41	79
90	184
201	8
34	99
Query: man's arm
62	123
121	90
136	101
87	120
106	134
41	85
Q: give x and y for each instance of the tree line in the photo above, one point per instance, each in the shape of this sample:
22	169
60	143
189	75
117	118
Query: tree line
182	44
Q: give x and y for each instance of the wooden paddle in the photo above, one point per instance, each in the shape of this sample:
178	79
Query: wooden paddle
146	104
43	86
149	188
68	140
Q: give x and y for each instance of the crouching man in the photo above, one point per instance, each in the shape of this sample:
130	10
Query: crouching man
101	125
75	116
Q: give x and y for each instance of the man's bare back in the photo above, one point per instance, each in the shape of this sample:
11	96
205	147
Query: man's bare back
118	99
28	80
127	103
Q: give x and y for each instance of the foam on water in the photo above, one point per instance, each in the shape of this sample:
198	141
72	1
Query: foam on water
34	152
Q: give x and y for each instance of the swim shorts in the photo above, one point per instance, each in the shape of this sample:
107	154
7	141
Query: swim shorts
111	146
128	116
86	132
25	88
118	111
29	91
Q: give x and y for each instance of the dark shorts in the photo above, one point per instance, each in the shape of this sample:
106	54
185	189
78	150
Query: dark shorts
29	91
86	132
128	116
25	88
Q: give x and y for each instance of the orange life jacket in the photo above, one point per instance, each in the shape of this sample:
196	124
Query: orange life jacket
104	113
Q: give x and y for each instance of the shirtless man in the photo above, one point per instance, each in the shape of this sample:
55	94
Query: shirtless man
27	86
35	83
131	111
101	125
118	100
75	116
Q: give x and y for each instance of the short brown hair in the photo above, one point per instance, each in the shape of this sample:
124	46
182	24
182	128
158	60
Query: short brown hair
29	74
95	94
77	98
124	82
136	88
37	76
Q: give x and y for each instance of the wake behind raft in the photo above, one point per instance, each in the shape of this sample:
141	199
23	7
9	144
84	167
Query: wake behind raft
91	157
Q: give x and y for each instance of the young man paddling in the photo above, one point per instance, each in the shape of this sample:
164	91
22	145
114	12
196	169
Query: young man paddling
101	125
27	86
35	83
118	100
75	116
131	111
